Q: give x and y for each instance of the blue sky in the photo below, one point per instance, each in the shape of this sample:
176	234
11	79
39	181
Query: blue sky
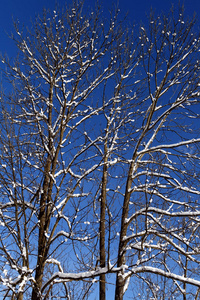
24	10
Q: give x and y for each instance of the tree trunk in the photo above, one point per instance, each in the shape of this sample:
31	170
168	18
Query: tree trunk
120	281
20	296
42	251
102	284
119	292
36	293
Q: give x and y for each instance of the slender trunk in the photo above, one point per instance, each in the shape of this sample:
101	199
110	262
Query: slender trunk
42	241
20	296
43	217
41	252
120	280
185	275
102	283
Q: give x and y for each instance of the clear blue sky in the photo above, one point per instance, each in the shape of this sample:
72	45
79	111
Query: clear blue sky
24	10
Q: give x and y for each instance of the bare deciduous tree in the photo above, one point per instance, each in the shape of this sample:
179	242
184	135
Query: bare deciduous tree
99	153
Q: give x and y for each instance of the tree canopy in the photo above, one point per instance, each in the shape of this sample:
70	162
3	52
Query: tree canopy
99	158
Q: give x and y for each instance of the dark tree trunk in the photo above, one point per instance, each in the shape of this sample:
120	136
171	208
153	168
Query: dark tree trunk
102	284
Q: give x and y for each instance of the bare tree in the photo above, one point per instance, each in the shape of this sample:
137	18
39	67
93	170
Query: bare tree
161	171
99	153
